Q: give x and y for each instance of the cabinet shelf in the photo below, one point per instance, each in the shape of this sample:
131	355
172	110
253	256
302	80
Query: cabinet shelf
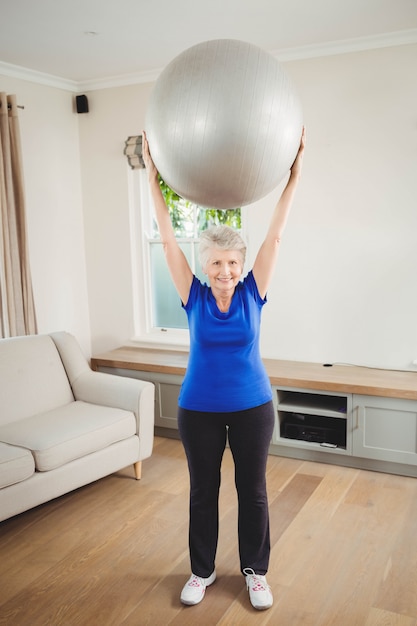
312	403
316	419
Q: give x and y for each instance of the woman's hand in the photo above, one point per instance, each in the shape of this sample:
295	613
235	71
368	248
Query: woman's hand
298	161
149	164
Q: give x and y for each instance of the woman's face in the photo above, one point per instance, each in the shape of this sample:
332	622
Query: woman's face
224	269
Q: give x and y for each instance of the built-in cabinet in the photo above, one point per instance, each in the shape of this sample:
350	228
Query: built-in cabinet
319	415
313	420
364	427
385	429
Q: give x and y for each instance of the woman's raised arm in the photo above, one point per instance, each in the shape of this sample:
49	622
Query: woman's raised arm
266	258
178	266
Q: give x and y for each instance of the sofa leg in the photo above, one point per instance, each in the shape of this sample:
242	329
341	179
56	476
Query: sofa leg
138	469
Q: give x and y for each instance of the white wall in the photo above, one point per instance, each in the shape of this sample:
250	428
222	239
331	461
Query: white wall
114	115
345	287
50	146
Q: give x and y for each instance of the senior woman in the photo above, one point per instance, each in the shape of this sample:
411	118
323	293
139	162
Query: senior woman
226	393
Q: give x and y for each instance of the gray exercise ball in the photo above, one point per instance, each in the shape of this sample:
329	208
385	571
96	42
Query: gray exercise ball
223	123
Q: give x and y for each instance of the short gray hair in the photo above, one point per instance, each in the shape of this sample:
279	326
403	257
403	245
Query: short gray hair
222	237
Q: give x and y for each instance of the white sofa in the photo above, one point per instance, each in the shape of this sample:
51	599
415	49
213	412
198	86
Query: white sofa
63	425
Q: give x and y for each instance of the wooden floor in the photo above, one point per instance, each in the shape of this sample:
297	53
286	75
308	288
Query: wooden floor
344	551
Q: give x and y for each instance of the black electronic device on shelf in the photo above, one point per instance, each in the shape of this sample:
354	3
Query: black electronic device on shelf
314	428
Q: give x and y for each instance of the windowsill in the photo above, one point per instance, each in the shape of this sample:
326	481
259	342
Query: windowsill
165	340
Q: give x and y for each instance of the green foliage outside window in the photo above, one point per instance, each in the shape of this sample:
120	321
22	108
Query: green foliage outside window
188	219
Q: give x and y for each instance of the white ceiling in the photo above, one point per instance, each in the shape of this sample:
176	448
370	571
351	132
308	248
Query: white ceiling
82	41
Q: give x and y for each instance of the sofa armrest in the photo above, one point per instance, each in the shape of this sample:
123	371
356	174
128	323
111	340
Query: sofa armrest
72	357
108	389
130	394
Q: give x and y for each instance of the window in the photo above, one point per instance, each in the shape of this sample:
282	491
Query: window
157	309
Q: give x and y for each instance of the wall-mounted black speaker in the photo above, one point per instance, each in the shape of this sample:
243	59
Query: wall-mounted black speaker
82	104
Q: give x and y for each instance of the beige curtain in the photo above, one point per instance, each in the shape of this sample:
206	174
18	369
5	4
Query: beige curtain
17	311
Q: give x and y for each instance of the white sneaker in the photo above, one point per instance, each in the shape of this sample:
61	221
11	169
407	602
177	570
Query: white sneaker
195	588
260	593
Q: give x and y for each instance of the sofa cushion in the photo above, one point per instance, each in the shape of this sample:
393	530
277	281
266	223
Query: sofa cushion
69	432
32	377
16	464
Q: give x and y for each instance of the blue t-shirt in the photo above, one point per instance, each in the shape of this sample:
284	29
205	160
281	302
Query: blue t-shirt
225	372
